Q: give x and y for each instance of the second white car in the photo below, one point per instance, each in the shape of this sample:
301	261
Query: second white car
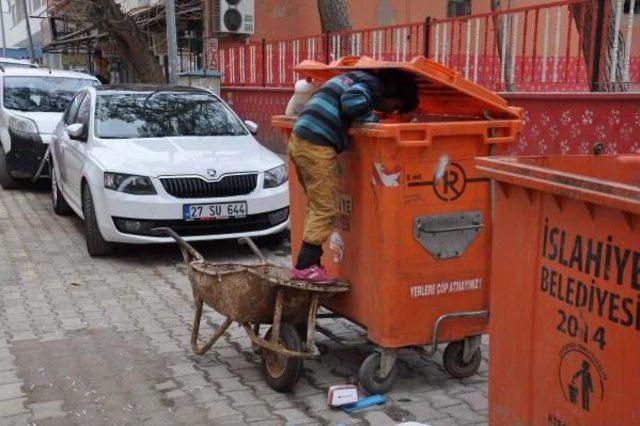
128	159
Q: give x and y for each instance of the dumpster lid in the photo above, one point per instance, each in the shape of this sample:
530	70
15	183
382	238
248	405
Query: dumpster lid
443	91
611	181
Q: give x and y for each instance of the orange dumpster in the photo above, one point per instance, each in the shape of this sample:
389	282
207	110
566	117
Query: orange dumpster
413	234
565	296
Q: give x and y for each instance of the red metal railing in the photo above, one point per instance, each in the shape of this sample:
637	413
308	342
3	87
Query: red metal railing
534	48
529	48
271	63
391	43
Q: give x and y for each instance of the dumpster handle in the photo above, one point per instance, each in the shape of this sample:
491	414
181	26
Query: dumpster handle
420	136
451	229
436	327
499	140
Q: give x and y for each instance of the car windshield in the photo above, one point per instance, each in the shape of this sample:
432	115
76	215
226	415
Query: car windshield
164	114
41	93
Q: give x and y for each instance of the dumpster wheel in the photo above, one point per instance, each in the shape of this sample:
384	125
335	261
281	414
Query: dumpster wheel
454	363
369	375
282	373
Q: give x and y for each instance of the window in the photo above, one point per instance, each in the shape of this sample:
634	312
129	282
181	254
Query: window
62	26
163	113
84	111
636	7
40	93
458	8
35	5
70	115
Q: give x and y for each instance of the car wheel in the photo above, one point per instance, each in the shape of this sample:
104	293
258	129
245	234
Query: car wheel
96	245
59	204
6	180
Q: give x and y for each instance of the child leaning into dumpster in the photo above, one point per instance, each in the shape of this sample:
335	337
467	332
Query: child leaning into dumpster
320	134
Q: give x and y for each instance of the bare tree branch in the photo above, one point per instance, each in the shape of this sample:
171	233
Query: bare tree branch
108	17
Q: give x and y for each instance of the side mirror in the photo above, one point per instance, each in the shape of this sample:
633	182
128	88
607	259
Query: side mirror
251	126
75	131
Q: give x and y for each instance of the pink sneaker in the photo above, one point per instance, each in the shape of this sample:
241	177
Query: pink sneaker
316	274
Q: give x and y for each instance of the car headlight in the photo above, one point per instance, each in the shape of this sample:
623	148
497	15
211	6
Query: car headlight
131	184
22	125
275	177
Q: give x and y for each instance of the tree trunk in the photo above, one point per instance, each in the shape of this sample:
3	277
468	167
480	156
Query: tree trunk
334	15
131	41
599	63
503	39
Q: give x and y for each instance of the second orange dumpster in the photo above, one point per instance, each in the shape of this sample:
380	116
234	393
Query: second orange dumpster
565	298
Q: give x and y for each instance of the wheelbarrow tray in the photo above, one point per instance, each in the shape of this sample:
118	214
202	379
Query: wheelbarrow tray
247	293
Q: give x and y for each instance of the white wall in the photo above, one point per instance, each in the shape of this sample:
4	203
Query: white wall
6	20
15	23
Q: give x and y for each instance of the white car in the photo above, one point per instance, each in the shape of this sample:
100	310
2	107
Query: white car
128	159
16	63
33	101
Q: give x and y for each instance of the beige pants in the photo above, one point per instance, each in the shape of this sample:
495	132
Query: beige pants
318	172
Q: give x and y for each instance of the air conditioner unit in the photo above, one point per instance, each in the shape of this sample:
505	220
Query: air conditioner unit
236	16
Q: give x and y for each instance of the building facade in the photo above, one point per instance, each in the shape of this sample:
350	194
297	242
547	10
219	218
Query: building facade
49	22
15	28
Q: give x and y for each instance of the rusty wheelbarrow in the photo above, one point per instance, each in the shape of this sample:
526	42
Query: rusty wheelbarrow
252	295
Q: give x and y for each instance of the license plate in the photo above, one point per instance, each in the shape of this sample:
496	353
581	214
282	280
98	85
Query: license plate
214	211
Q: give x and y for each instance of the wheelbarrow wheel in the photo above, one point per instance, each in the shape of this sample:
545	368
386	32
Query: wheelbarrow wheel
453	360
369	375
281	372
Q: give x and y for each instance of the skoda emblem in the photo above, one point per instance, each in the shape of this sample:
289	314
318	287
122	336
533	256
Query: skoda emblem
212	173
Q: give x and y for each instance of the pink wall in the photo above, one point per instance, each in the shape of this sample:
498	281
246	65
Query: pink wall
281	19
259	104
284	19
572	123
555	123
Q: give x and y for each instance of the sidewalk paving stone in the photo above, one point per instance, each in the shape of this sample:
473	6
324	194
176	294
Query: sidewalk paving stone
107	341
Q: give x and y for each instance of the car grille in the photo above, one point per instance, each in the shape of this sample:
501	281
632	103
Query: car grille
251	223
195	187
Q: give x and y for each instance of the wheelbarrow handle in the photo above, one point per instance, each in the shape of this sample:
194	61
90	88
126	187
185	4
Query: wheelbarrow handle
248	241
188	252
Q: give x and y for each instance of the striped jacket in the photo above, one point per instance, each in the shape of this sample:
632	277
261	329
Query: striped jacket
345	99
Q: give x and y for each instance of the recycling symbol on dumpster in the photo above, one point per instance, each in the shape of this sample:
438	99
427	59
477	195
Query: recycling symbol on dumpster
452	184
